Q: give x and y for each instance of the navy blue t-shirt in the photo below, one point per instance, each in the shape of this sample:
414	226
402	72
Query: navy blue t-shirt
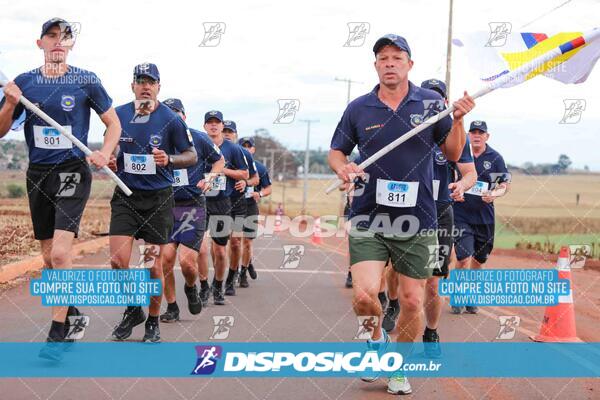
251	171
491	170
404	175
234	159
442	171
263	180
185	180
66	99
161	129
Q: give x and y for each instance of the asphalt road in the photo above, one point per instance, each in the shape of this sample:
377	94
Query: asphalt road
306	303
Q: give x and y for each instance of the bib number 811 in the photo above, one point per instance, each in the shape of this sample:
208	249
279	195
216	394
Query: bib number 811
397	197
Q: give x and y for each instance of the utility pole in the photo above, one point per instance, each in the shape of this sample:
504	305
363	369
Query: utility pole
306	163
272	171
343	194
449	51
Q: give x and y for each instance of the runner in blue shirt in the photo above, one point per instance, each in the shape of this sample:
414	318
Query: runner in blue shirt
253	196
239	210
154	141
189	215
391	220
475	216
58	177
446	189
219	205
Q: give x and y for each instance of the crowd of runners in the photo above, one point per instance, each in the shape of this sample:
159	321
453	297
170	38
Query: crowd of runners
187	185
424	208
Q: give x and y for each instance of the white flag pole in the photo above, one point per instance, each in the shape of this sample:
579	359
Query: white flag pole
36	110
491	86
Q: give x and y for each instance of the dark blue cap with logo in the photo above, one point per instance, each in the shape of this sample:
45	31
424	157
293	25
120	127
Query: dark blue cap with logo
435	84
175	105
245	140
55	22
391	39
213	114
479	125
146	69
230	125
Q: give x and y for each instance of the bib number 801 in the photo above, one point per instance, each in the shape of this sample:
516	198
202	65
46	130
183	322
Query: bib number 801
51	141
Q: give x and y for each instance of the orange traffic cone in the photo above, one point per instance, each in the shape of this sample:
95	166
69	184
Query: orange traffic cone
559	320
316	236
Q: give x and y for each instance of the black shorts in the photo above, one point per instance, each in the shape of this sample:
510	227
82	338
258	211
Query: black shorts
476	240
146	214
251	222
219	220
445	220
238	213
190	223
57	196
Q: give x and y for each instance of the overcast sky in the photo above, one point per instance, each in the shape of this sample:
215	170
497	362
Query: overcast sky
274	50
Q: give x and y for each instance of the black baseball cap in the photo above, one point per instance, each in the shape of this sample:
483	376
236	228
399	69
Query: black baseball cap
230	125
146	69
245	140
213	114
391	39
175	105
55	22
479	125
435	84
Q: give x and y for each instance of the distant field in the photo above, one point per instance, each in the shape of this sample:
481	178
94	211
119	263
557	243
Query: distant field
538	209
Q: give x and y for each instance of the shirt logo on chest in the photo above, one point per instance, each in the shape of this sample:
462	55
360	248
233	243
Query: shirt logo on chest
440	158
371	127
67	102
487	165
155	140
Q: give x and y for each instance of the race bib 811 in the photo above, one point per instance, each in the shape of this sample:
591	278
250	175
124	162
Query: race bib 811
397	193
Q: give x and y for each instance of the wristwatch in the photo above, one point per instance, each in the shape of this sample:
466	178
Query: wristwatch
170	160
260	194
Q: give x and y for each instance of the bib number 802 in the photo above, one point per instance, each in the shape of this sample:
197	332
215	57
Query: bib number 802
138	167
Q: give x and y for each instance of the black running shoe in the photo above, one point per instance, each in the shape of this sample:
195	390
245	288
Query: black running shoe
229	289
383	300
194	302
170	316
389	318
252	271
204	295
244	278
471	309
349	280
152	332
218	296
132	317
431	344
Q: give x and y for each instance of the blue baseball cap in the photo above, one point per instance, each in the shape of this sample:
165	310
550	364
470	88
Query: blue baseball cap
55	22
478	125
213	114
245	140
434	84
175	105
391	39
230	125
146	69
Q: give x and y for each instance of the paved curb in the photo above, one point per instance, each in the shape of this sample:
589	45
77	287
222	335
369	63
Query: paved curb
14	270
